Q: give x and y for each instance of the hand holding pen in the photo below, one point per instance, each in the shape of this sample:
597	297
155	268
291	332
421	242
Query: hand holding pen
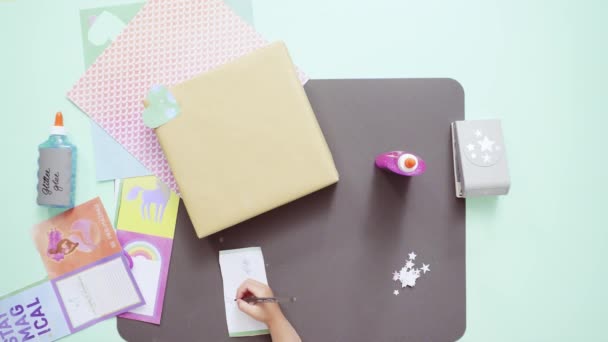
250	294
256	300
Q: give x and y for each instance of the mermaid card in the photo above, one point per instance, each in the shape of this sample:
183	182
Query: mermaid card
75	238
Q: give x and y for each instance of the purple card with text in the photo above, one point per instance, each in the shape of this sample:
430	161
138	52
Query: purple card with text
51	309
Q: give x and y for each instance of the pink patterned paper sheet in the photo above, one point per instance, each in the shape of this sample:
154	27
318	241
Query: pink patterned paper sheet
167	42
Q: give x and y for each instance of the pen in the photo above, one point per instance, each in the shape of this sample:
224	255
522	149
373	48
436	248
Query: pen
255	300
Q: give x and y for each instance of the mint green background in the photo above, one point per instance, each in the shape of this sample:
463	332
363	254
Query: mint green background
535	259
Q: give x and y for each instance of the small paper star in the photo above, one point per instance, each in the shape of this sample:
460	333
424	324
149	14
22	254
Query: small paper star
471	147
425	268
409	264
412	256
486	158
486	144
395	275
396	292
478	133
473	155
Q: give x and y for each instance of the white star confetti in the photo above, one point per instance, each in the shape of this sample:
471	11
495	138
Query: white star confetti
408	274
473	155
408	278
486	144
486	158
478	133
471	147
396	292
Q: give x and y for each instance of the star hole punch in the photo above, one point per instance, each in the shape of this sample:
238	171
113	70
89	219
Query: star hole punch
480	163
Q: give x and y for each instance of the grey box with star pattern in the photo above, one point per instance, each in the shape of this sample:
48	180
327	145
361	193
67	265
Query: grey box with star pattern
480	160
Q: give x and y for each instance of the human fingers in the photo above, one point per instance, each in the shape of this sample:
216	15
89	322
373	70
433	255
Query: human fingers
250	309
247	287
260	289
256	288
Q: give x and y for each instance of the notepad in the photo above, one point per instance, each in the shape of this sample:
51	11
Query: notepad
97	292
245	141
238	265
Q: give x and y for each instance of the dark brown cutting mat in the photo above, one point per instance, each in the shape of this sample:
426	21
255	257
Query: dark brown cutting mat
335	250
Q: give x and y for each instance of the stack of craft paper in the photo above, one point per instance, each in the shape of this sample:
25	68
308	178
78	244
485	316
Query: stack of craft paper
167	42
100	26
245	140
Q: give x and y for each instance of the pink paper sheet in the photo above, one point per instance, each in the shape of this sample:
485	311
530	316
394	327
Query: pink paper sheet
166	43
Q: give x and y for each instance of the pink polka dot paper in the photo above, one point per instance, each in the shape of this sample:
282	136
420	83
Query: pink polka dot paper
166	43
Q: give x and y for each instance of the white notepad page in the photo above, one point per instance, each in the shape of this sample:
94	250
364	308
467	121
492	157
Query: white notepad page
97	291
237	265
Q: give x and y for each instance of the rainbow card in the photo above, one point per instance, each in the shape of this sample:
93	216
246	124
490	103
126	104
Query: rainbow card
150	256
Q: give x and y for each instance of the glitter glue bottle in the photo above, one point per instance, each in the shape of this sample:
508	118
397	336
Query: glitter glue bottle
401	163
56	168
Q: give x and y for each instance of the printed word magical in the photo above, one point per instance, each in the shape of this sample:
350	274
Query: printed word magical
21	330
